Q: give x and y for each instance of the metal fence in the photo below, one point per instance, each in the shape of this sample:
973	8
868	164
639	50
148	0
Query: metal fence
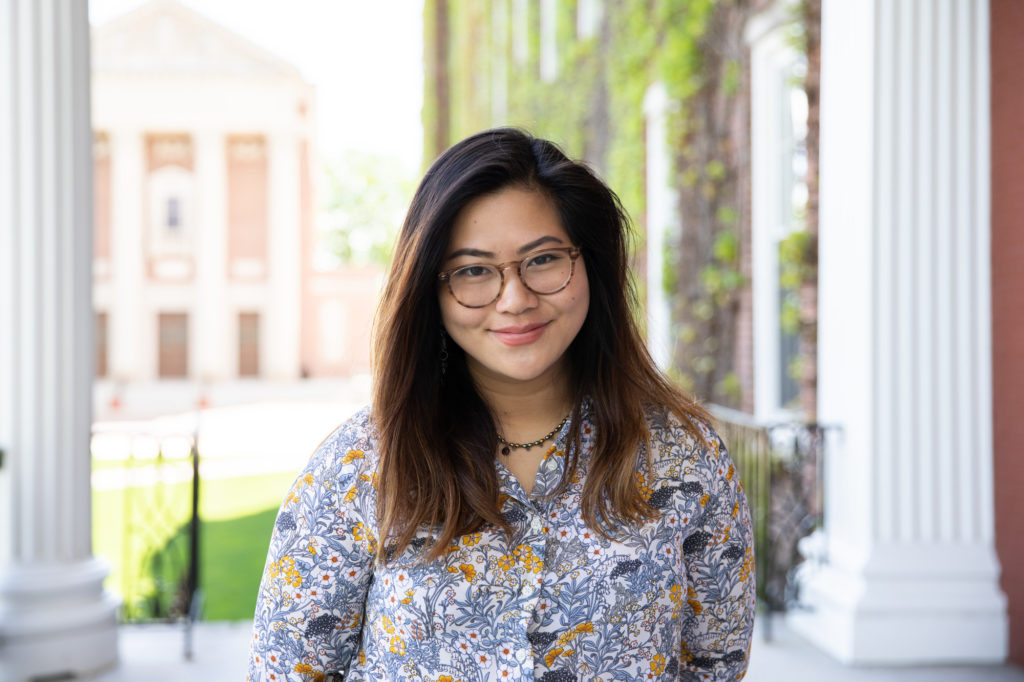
154	478
781	466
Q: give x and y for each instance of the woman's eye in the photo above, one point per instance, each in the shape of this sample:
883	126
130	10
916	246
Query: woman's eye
544	259
473	271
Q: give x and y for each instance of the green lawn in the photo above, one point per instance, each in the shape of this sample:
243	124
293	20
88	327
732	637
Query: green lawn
237	516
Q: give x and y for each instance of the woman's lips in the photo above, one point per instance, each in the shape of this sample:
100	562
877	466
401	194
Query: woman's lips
520	336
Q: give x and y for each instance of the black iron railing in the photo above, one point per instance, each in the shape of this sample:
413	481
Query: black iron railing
781	466
155	479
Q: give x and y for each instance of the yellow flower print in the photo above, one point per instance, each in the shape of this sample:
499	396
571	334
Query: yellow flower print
658	664
732	472
397	646
685	654
696	606
748	565
351	456
550	657
467	570
285	570
704	499
575	632
361	534
506	562
471	539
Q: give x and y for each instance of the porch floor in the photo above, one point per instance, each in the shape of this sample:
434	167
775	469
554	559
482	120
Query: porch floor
154	653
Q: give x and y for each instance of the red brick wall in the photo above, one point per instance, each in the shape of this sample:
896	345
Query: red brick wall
248	211
1007	29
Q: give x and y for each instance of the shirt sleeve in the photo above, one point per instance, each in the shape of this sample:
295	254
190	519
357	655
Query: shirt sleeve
309	610
719	555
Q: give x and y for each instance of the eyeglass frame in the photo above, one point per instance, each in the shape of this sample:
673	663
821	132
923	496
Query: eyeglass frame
572	251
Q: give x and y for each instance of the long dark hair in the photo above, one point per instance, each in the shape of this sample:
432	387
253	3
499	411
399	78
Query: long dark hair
436	435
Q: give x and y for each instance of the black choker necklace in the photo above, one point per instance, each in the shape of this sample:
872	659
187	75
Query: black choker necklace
508	447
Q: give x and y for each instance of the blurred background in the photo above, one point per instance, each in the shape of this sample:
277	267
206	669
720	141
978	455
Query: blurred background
249	165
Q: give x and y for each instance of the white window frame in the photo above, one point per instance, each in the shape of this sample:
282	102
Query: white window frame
774	62
662	222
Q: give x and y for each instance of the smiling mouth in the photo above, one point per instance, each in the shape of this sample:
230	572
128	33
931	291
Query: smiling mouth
520	336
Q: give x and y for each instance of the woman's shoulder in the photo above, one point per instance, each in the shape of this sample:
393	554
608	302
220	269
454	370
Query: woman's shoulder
351	443
678	437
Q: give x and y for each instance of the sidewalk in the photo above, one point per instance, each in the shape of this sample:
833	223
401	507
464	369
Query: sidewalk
153	653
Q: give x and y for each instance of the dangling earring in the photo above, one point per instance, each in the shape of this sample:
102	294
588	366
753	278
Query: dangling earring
444	353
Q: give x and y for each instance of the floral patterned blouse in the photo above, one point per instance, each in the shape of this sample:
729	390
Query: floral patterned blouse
671	599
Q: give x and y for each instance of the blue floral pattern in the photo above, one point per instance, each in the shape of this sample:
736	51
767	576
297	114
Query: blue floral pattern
669	599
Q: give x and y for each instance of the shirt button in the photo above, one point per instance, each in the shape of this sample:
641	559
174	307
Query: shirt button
536	525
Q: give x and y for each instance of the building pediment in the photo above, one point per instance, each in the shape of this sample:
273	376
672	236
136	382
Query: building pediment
165	36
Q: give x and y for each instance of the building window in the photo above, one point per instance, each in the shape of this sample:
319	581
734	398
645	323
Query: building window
173	340
173	213
171	205
101	345
248	344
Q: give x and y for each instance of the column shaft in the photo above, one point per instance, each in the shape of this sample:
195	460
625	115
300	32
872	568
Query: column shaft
132	343
280	355
905	337
210	331
54	616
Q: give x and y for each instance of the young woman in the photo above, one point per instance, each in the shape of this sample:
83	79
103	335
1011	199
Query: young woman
527	498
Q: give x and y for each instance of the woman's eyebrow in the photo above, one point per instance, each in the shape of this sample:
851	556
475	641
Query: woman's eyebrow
537	242
470	252
526	248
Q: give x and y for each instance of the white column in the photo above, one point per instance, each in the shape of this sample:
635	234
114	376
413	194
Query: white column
662	218
54	615
280	355
209	342
548	40
904	338
132	342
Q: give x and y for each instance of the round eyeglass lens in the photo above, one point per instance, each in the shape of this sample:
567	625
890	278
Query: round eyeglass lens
475	285
547	272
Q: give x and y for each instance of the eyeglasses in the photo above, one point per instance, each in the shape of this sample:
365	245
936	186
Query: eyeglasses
480	284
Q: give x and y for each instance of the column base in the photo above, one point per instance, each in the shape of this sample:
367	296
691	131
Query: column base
917	606
56	619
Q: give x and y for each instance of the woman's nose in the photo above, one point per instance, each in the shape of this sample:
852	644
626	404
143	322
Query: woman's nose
514	297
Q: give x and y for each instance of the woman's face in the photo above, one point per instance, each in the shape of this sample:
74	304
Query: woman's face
522	336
